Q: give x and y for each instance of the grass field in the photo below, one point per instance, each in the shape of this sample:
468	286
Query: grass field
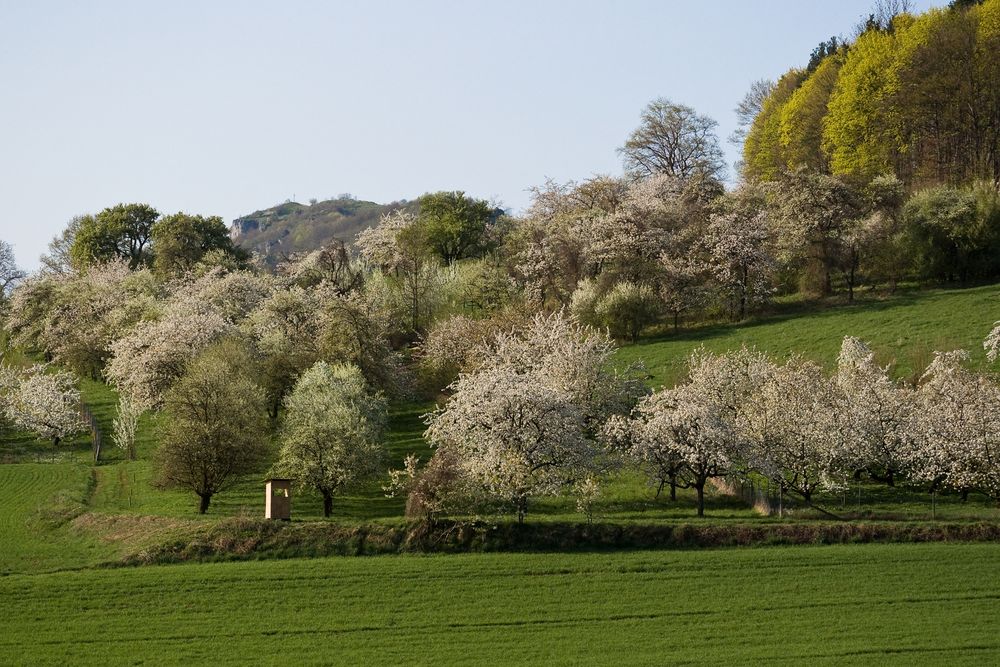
39	498
905	329
908	604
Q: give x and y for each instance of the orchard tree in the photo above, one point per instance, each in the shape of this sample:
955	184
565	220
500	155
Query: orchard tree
287	329
813	215
333	430
379	245
688	426
795	432
42	401
567	356
692	433
215	428
628	308
879	414
515	437
673	139
739	244
683	283
637	441
198	312
526	421
992	343
958	426
126	425
151	357
331	264
74	318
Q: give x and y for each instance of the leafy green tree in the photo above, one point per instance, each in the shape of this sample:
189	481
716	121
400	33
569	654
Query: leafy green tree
215	424
628	308
333	431
454	225
956	230
763	153
181	241
860	130
120	232
801	118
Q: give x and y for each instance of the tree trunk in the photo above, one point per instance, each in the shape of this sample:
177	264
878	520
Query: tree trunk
673	487
522	509
701	498
327	504
204	500
55	441
677	321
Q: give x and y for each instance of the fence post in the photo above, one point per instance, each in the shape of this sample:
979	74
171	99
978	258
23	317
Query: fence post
95	431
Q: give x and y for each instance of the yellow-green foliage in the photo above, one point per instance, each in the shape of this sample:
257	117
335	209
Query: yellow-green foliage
858	134
920	99
801	126
763	157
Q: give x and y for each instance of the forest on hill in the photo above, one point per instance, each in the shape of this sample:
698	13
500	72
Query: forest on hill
913	95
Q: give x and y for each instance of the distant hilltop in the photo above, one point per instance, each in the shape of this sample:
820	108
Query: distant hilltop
293	227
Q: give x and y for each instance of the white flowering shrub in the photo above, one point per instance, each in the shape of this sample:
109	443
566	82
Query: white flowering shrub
879	414
794	426
959	427
125	426
41	400
525	422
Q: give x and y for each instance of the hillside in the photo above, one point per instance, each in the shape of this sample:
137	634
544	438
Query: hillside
904	330
293	227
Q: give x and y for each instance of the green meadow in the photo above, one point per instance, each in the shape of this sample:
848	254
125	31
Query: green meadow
905	604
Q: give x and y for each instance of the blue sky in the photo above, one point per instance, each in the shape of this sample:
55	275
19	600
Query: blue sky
226	107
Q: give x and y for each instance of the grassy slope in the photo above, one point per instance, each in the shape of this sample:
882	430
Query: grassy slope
39	498
844	604
905	329
125	487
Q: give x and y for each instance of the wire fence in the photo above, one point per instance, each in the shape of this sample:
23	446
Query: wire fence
762	496
95	431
